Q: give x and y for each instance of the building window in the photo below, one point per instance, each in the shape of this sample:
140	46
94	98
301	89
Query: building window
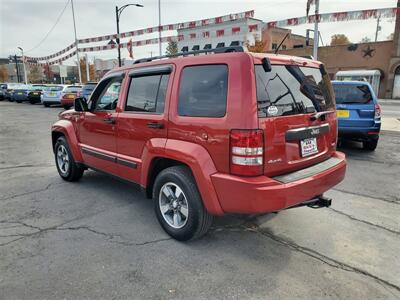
283	47
274	46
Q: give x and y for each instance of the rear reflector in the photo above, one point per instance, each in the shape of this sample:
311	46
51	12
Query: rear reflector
247	151
377	111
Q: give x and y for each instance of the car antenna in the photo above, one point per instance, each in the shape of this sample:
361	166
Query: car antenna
280	45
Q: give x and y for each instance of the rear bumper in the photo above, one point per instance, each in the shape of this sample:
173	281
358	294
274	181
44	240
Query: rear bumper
360	133
51	100
69	102
261	194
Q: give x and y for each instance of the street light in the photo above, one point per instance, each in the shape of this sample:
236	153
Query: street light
23	63
118	12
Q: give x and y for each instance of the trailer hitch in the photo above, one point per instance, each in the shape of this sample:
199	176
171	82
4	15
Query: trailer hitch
318	202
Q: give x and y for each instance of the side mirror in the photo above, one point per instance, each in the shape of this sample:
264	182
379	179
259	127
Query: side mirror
80	104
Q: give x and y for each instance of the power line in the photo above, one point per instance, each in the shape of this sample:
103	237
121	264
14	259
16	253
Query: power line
52	28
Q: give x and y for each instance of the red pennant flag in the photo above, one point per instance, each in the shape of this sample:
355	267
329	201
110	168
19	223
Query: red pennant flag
130	50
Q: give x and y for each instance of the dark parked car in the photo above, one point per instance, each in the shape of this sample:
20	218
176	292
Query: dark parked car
3	90
35	94
20	93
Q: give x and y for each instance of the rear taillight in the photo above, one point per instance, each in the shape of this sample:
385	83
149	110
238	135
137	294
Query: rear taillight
377	111
247	151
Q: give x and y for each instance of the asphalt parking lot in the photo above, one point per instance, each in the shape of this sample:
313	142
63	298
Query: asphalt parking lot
99	238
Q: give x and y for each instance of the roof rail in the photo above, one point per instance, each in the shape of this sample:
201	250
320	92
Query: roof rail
186	53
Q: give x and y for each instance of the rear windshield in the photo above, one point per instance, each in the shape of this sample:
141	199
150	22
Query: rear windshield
55	88
73	89
89	87
352	93
291	90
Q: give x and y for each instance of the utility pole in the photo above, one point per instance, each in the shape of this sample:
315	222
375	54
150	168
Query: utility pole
118	11
23	63
76	43
378	28
16	66
316	37
159	27
87	68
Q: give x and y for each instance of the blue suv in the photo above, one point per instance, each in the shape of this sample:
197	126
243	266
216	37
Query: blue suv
358	112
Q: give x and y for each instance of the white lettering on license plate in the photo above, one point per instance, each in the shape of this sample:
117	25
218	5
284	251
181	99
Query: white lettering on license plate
308	147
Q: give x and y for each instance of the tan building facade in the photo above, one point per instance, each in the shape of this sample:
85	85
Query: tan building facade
272	37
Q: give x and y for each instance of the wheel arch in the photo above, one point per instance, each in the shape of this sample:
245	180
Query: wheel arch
66	129
192	155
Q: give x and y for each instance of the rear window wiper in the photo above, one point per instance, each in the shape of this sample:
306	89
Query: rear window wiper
318	115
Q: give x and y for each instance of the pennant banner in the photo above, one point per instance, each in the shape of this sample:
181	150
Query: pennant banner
176	26
328	17
338	17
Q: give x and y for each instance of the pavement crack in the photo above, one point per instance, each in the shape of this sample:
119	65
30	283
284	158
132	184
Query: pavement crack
396	200
316	255
365	222
31	192
141	244
27	166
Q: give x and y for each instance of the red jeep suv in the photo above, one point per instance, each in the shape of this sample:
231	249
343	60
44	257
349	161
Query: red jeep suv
205	135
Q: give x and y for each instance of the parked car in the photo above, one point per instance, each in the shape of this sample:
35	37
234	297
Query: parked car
34	96
53	95
87	90
358	112
3	89
9	88
69	95
20	94
207	135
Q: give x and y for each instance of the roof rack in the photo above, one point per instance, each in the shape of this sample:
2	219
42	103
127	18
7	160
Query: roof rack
186	53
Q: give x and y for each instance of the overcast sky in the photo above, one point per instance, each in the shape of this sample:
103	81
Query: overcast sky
24	23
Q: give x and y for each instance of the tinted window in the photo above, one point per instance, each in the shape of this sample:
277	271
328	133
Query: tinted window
147	93
106	97
291	90
73	89
89	87
55	88
203	91
352	93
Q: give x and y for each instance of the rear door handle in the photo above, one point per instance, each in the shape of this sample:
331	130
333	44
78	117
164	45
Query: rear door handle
109	120
155	125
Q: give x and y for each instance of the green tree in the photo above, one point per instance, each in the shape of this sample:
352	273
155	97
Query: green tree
339	39
172	48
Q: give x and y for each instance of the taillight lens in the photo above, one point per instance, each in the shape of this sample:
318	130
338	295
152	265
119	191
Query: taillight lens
247	151
377	111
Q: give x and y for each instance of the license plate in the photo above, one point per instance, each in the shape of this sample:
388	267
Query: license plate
36	94
20	93
343	113
71	96
52	94
308	147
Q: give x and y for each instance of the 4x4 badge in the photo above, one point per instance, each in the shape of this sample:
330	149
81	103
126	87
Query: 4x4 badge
272	110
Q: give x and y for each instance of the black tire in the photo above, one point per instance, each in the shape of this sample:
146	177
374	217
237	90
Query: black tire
198	220
46	104
66	107
370	145
18	101
73	172
32	101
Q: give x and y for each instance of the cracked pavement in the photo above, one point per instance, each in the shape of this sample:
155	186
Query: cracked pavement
99	238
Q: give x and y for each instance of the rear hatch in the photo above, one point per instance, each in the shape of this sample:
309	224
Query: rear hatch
296	111
355	105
